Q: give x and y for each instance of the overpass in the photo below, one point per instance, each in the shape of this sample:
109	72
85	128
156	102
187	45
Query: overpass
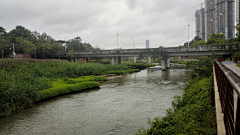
161	53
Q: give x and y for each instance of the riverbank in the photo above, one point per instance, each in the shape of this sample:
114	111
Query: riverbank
194	112
24	84
120	107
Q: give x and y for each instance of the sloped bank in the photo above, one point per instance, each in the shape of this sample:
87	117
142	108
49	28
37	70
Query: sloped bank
194	112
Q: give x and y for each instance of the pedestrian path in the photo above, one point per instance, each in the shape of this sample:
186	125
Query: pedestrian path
232	66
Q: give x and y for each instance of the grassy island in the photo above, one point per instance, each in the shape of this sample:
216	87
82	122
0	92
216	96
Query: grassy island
24	84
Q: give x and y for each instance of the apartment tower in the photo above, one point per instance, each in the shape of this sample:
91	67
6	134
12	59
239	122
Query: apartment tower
219	17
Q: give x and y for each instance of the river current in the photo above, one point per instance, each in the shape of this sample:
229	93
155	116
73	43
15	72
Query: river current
120	107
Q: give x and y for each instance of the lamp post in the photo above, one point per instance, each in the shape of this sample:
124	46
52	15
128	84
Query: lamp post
14	51
188	34
86	44
133	42
44	52
117	40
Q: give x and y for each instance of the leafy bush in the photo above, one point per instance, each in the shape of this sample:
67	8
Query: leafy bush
194	113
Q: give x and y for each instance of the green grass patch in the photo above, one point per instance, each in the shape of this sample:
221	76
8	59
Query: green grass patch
66	88
238	65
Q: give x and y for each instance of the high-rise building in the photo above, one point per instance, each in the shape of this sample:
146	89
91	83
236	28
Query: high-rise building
237	11
147	44
199	23
218	16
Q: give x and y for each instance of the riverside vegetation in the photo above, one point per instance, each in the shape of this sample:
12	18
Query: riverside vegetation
24	84
194	112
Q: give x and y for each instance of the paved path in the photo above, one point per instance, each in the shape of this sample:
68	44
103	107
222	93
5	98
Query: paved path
232	66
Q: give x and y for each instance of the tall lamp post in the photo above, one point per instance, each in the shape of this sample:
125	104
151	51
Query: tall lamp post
86	45
133	42
43	52
14	54
188	34
117	40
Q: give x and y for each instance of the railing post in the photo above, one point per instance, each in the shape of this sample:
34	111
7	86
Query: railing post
237	124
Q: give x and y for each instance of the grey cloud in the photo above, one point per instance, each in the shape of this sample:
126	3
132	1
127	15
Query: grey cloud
98	21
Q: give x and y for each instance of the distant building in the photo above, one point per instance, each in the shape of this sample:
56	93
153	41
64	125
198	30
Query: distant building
199	23
147	44
237	11
217	16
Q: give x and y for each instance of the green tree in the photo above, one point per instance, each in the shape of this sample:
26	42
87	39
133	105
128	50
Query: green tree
26	46
216	39
200	42
238	30
71	54
4	44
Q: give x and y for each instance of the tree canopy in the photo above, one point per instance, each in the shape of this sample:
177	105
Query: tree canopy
32	42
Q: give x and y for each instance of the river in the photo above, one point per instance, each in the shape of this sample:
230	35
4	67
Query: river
120	107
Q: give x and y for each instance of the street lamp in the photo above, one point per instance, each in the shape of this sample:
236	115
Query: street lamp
117	40
188	34
44	52
14	51
86	44
133	42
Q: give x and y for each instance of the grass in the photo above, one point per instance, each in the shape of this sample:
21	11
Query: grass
64	86
23	84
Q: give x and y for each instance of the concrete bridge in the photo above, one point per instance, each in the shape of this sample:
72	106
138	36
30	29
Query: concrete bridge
161	53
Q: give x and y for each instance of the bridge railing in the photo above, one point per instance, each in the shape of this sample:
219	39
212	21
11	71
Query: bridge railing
169	49
229	92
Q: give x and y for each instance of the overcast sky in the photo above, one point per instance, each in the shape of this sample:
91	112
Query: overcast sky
163	22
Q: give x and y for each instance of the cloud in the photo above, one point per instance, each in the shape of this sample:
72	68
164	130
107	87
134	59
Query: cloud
162	22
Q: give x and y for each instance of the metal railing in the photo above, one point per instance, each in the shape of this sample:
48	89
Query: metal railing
228	83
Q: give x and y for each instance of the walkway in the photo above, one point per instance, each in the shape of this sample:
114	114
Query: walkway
232	66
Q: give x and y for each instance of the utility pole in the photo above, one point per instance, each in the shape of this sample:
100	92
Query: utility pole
117	40
188	34
133	42
44	52
14	51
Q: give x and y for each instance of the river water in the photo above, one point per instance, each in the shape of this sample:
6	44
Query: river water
120	107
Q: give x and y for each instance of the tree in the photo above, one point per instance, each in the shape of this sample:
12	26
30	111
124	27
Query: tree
216	39
71	54
191	43
238	32
4	44
25	45
201	42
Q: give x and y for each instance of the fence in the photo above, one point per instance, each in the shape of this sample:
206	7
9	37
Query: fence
228	86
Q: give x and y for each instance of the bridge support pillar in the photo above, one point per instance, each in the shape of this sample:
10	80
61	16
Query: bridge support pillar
149	59
168	63
76	59
112	60
163	65
134	59
119	60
